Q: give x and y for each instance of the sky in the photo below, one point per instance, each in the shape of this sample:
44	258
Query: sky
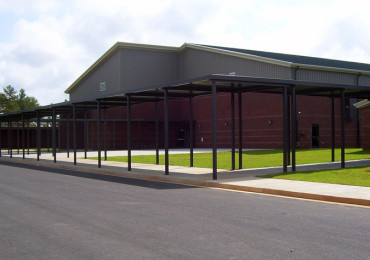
45	45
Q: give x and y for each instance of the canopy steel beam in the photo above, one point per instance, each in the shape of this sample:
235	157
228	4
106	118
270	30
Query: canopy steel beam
332	103
294	126
54	132
128	132
166	132
214	130
232	104
99	139
240	132
342	117
285	130
191	128
74	135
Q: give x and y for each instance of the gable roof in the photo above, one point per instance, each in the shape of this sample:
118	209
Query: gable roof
300	60
281	59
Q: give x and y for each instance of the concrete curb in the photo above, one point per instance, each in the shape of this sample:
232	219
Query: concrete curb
200	183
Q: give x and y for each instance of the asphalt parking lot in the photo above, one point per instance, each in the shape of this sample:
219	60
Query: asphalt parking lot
59	214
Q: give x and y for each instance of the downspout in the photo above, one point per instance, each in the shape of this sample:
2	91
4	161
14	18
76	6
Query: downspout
358	116
294	76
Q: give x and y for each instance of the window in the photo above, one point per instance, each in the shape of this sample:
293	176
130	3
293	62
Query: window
103	86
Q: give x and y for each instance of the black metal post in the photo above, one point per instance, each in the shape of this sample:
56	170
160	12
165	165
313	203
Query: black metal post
54	133
156	132
114	135
23	141
332	130
214	129
47	137
342	116
28	137
18	143
85	135
240	113
358	128
128	132
166	141
68	136
10	138
294	126
38	135
1	136
285	129
289	126
105	133
74	135
99	141
59	137
232	101
191	128
8	141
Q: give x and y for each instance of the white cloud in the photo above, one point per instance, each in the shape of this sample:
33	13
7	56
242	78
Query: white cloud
47	44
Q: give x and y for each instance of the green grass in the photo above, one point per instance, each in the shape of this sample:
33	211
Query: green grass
251	159
358	176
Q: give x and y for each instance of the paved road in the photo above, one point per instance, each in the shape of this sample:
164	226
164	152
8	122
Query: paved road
57	214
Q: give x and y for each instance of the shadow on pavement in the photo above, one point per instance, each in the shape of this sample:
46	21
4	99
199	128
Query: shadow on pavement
101	177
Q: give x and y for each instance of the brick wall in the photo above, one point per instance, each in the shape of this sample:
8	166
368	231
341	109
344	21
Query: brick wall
262	123
365	127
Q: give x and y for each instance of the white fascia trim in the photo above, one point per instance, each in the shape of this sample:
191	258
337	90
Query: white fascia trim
274	61
146	46
237	54
332	69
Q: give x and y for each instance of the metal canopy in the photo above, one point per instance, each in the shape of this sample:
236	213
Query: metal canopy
198	86
206	85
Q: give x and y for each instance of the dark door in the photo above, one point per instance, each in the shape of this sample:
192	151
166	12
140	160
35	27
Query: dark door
182	138
315	136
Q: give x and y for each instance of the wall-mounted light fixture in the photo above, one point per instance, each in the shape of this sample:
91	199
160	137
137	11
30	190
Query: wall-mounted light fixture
270	122
226	124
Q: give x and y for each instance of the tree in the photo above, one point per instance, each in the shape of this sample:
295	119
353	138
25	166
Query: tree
11	101
25	102
8	99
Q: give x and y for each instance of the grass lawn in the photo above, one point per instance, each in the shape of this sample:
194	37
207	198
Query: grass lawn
357	176
251	159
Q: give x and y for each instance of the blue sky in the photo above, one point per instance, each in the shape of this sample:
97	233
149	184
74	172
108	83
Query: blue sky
46	44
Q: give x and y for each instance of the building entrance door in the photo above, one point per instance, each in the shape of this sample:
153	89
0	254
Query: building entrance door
315	136
182	139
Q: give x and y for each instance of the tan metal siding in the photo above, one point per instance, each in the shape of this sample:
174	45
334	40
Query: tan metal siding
108	72
195	63
326	76
145	68
364	80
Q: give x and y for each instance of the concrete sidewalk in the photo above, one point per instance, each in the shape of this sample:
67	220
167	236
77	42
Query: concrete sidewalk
242	180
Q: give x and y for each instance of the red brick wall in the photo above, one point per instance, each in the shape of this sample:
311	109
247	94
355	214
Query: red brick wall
258	110
317	110
142	131
365	127
46	137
